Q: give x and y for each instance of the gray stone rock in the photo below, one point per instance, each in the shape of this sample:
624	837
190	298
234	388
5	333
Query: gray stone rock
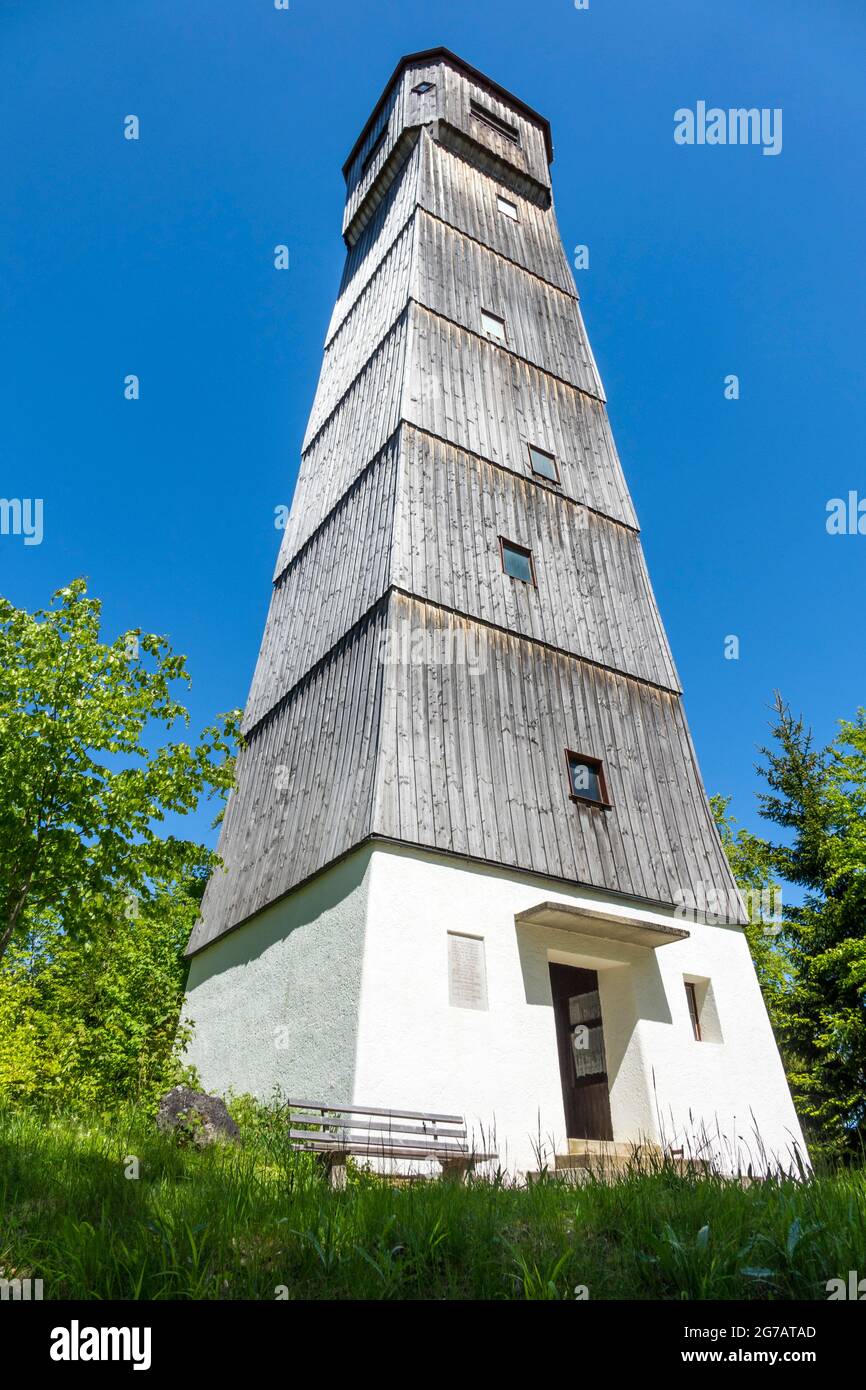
195	1118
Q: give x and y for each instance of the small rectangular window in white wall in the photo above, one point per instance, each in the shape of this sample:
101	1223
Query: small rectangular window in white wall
694	1011
467	972
703	1013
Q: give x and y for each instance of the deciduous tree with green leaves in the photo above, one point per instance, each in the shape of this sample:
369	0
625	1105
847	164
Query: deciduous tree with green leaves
95	1019
84	781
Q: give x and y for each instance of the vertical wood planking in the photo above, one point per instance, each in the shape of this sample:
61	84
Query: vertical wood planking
406	687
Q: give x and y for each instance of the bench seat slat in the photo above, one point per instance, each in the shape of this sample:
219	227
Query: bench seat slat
364	1145
397	1152
420	1154
326	1106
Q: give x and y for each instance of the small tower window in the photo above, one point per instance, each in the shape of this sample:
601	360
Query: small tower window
586	780
543	463
507	208
423	87
694	1012
493	325
517	561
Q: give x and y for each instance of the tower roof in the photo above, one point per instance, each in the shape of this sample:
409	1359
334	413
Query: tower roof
432	55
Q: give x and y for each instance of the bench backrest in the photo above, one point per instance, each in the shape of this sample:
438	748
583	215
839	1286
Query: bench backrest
404	1133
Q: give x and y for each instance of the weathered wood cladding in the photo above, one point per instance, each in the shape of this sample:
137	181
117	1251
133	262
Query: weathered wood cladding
453	276
471	392
529	156
450	188
472	761
451	510
374	153
366	418
477	395
592	595
364	258
464	728
372	316
488	163
340	573
406	686
380	186
454	91
457	277
305	784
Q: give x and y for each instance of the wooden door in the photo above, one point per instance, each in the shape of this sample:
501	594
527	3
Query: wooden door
582	1065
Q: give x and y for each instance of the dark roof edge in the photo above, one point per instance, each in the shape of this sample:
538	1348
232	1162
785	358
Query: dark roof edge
429	54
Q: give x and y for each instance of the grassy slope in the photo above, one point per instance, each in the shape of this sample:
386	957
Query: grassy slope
238	1222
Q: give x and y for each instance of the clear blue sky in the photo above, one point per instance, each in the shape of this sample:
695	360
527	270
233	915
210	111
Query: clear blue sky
156	258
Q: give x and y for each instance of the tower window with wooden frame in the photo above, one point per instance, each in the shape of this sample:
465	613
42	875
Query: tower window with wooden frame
586	779
517	561
507	208
493	325
543	464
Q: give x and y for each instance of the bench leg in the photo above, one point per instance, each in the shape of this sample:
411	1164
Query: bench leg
456	1169
333	1166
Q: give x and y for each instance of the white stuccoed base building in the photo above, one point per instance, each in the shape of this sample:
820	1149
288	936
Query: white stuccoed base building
469	807
364	1031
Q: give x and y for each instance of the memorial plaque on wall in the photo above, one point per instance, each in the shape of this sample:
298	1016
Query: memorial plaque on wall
467	976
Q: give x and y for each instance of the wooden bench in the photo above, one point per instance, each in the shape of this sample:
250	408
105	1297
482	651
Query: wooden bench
355	1129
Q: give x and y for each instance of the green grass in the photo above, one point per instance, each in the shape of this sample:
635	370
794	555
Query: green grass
238	1221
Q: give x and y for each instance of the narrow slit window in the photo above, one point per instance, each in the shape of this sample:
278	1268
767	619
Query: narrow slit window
495	122
543	463
586	780
507	208
493	325
517	561
694	1011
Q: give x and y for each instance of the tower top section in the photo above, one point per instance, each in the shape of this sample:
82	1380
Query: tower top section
435	57
467	111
